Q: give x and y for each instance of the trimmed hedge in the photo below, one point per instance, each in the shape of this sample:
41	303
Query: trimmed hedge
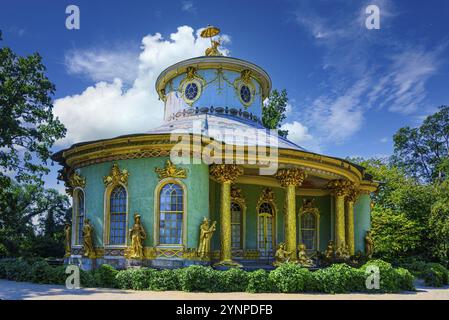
288	278
434	274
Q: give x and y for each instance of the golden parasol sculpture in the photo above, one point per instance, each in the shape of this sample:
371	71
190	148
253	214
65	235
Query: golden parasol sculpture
210	32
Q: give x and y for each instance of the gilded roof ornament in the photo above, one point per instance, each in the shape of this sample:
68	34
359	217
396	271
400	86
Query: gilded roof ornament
171	171
116	176
211	32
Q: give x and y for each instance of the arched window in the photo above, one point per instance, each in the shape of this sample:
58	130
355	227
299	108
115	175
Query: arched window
79	216
171	212
117	216
309	234
265	228
236	225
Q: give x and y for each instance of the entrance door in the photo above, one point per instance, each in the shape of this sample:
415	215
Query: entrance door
265	230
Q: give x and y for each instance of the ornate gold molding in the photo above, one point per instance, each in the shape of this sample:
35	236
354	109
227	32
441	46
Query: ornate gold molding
237	195
267	195
116	176
75	181
290	177
308	205
171	171
225	172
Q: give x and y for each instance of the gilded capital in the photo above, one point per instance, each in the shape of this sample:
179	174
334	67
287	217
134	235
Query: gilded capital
352	195
116	176
340	187
290	177
225	172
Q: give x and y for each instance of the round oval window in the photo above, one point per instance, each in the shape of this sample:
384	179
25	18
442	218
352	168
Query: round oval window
245	94
191	91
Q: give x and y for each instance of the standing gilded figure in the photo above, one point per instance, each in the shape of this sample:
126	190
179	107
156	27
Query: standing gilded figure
88	236
138	235
206	232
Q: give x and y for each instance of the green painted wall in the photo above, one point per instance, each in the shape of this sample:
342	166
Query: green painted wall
362	220
141	185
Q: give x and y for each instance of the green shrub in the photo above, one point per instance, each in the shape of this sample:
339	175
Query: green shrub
199	278
105	276
435	275
164	280
338	278
87	279
17	270
42	272
258	281
389	280
289	278
135	278
232	280
405	279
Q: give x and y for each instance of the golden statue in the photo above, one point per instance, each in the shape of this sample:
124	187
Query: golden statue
206	231
342	252
213	50
330	250
281	256
303	259
67	239
88	235
138	235
210	32
369	244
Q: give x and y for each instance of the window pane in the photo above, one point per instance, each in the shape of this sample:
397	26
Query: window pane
171	210
80	216
117	217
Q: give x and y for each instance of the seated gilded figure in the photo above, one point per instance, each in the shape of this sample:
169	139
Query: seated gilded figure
330	250
303	259
281	256
138	235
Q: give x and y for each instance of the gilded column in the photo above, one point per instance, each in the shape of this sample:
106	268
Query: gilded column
290	179
226	174
340	189
350	199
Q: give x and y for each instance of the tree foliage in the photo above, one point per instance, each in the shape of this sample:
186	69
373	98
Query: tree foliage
273	112
28	128
421	151
32	217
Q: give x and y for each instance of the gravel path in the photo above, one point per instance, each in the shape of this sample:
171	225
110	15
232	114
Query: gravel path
10	290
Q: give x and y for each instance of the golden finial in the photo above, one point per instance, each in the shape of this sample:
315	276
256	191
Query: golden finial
210	32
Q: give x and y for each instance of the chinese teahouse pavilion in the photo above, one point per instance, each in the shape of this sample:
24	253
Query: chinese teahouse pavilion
195	191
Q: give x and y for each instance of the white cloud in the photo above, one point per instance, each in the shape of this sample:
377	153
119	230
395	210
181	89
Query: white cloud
337	117
188	6
384	140
108	109
103	65
297	132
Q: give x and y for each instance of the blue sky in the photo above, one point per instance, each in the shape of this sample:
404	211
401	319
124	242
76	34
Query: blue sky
350	88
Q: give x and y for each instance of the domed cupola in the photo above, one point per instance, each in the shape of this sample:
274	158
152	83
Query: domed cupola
213	84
